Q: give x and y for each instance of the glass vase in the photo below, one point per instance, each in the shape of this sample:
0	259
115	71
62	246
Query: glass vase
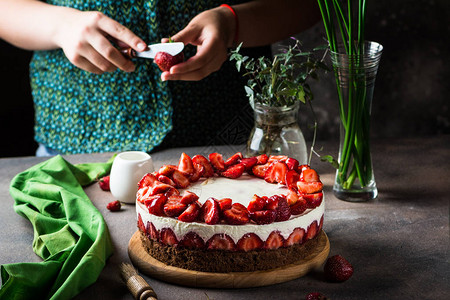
276	132
355	81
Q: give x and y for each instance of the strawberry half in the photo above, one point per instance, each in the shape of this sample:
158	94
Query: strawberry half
262	159
166	180
203	164
165	61
234	159
155	204
217	162
147	180
276	173
283	212
248	163
298	207
173	207
263	216
274	241
152	232
309	187
221	241
313	200
281	158
210	212
313	229
257	203
225	203
236	215
296	237
114	205
167	237
260	170
233	172
292	163
167	170
192	240
309	175
141	225
180	180
189	197
249	241
291	197
191	213
185	165
291	179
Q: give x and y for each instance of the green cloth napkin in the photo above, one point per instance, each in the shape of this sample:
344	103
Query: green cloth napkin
70	234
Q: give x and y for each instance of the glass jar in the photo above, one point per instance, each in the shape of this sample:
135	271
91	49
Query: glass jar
277	132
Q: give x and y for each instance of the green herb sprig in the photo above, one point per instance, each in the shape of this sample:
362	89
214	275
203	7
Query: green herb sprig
281	81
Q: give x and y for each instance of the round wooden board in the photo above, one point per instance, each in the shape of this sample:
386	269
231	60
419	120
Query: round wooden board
156	269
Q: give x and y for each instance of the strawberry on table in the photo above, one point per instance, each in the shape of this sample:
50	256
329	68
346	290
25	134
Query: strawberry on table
338	269
114	206
104	183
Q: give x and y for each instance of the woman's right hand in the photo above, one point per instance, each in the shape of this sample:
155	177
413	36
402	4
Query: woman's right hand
85	38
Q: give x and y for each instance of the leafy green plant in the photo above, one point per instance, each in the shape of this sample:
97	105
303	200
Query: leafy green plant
280	81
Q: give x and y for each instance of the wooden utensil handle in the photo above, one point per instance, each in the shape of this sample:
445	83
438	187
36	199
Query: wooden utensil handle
128	52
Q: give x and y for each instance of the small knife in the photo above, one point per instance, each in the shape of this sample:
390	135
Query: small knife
171	48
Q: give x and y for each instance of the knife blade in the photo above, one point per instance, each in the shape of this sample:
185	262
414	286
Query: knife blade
171	48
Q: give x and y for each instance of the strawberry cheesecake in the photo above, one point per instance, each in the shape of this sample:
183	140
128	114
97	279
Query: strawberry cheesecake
234	215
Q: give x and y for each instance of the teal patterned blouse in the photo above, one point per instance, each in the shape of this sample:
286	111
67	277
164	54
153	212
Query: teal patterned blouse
81	112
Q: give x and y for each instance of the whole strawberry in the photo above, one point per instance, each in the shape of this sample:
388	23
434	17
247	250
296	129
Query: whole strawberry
165	61
315	296
338	269
104	183
114	206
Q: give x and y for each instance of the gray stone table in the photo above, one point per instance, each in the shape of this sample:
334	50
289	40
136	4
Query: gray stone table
398	243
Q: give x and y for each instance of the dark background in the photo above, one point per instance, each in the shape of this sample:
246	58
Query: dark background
411	92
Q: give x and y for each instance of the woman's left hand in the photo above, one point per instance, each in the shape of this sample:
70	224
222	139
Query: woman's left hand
212	31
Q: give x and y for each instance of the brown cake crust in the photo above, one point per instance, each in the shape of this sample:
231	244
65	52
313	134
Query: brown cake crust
219	261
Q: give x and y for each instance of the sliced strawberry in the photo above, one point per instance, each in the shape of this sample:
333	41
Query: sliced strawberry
142	193
312	230
266	216
192	240
233	172
299	207
180	180
225	203
217	162
296	237
233	160
291	197
292	178
292	163
236	215
276	173
210	212
313	200
274	240
167	237
185	165
221	241
309	187
173	207
161	188
147	180
140	224
167	170
172	192
281	158
262	159
301	168
309	175
202	163
320	224
272	202
260	170
166	180
196	175
152	232
257	203
248	163
283	211
189	197
191	213
249	242
155	204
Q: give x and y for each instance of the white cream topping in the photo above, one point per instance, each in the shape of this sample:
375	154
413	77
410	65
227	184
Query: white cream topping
240	190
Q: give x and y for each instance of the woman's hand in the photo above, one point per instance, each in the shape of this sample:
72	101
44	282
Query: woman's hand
86	37
212	31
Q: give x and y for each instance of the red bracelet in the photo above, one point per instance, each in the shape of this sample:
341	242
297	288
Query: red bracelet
236	20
